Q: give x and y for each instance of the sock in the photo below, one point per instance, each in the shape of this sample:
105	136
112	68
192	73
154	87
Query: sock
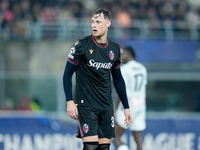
104	147
90	145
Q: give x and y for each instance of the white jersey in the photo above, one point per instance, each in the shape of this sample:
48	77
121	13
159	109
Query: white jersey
135	77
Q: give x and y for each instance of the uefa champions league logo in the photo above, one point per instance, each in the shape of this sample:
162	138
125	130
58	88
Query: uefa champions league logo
72	50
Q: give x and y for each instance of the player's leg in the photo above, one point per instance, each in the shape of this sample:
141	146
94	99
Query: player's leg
119	132
106	129
120	128
138	139
120	145
138	126
90	143
104	144
88	128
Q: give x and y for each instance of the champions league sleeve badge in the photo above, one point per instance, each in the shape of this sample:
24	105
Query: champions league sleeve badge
72	51
111	55
85	128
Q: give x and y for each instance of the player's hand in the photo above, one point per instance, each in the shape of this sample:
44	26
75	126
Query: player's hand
72	109
128	116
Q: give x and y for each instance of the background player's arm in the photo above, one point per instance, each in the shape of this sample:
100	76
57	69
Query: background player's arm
117	103
121	91
67	84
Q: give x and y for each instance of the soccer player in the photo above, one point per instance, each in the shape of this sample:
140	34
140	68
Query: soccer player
94	58
135	77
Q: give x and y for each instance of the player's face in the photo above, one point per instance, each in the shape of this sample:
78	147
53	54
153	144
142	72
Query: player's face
124	56
99	25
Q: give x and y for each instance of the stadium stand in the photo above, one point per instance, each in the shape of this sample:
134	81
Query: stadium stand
53	18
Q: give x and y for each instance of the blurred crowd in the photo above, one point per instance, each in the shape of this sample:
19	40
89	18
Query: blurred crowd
60	10
19	12
25	104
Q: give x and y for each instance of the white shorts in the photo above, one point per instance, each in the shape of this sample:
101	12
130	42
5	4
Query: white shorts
138	120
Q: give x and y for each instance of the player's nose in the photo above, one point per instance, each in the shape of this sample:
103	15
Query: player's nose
94	25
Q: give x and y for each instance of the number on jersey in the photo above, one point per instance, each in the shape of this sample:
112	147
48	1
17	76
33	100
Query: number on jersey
138	81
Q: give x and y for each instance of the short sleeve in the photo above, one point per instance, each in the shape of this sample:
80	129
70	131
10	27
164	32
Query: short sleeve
76	52
118	61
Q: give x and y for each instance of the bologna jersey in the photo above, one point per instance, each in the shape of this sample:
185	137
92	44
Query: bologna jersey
93	85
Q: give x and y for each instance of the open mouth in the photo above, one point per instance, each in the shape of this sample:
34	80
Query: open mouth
94	30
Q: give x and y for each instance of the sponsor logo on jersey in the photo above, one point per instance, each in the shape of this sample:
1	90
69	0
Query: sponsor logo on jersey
91	51
76	43
85	128
111	55
98	65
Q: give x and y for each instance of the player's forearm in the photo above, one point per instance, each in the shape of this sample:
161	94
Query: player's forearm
120	87
67	80
121	91
67	84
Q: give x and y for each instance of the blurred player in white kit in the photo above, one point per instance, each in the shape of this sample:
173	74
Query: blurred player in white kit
135	76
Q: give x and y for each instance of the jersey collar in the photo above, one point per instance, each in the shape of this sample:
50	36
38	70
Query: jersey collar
98	43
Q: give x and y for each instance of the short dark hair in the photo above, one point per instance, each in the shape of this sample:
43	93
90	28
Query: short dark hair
131	51
106	13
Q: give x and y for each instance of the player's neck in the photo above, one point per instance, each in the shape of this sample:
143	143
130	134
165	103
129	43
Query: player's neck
101	39
130	59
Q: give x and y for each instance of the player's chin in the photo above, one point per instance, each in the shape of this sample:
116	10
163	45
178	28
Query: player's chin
96	34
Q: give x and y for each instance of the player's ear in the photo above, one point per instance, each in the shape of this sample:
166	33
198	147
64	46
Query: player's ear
108	23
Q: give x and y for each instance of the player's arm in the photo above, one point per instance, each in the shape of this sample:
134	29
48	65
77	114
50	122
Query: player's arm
121	91
67	84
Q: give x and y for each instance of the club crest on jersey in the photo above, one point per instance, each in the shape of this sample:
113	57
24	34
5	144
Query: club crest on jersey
111	55
85	128
91	51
